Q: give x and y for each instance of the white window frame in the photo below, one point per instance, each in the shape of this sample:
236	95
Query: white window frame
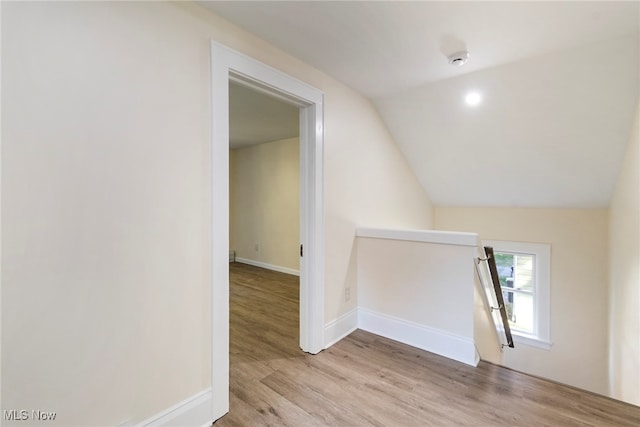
541	336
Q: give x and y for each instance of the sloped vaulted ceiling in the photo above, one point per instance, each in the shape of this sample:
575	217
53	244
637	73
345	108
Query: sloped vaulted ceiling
550	131
559	86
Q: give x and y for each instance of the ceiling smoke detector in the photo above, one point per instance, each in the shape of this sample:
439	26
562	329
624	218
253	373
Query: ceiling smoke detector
458	59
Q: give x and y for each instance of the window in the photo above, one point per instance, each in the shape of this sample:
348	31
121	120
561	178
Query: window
524	273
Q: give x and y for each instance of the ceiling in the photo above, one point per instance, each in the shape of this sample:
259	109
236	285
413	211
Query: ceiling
256	118
559	82
551	131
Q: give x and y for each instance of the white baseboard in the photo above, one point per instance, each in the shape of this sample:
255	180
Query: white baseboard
423	337
268	266
194	411
339	328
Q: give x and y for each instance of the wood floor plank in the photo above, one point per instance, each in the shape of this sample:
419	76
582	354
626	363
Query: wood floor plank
367	380
259	405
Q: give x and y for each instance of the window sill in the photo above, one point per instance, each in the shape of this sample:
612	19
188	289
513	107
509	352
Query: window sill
531	341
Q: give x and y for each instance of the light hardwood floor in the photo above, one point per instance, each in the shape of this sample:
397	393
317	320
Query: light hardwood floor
367	380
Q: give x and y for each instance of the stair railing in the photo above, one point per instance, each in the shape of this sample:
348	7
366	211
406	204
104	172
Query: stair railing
496	300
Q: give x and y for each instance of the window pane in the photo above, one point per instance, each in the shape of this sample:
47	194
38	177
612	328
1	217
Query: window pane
522	308
504	263
523	272
516	272
508	303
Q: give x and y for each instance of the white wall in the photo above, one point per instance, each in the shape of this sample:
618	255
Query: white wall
368	183
106	201
104	213
418	292
419	282
624	277
264	199
579	314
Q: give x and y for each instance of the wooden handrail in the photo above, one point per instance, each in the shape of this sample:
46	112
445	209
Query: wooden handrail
493	269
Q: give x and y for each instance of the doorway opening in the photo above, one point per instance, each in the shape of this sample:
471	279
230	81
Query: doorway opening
264	225
229	65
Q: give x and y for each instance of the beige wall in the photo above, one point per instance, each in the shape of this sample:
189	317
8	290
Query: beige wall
107	201
418	292
417	281
232	222
579	249
264	200
624	282
104	210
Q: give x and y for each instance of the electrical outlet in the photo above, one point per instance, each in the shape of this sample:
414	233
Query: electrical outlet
347	294
257	247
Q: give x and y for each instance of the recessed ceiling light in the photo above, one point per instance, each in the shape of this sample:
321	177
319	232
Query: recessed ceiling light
473	99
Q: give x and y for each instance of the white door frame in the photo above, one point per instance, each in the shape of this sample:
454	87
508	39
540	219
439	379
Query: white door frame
227	64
